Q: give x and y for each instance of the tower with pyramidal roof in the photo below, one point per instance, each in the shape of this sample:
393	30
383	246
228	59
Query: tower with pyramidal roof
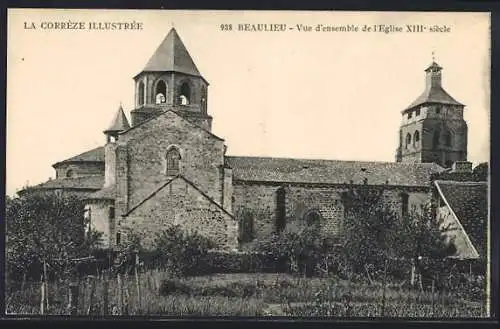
171	81
433	128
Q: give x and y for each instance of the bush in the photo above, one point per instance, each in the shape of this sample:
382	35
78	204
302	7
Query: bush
299	252
181	253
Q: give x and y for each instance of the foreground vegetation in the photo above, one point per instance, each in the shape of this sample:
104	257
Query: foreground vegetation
245	294
386	266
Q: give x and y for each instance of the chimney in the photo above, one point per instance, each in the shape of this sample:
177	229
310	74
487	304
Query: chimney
462	167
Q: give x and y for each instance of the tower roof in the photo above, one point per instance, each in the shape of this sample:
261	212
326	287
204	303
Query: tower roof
119	123
172	55
434	92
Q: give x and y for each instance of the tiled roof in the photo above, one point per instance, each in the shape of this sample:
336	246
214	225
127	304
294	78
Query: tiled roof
469	202
119	123
172	55
266	169
107	193
84	182
94	155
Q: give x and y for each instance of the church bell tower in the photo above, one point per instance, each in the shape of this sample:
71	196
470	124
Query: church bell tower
433	128
171	81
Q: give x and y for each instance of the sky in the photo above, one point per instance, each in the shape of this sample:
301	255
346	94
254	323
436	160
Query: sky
322	95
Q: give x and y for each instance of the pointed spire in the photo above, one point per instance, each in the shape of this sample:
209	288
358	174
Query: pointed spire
119	123
172	55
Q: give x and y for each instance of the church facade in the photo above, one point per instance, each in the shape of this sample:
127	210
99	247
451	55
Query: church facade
166	167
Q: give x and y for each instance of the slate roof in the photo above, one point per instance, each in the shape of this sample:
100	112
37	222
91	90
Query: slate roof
469	202
434	93
119	123
94	182
94	155
172	55
267	169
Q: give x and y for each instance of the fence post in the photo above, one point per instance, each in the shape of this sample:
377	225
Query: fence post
46	282
383	288
432	298
42	297
91	298
137	279
73	298
120	293
105	292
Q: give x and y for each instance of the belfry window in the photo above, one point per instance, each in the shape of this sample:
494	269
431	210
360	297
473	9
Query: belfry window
140	99
161	92
408	140
185	94
173	158
204	100
416	139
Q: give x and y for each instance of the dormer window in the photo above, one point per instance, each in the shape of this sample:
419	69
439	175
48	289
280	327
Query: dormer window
70	173
417	112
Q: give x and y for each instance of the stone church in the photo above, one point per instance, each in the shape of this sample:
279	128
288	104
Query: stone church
167	167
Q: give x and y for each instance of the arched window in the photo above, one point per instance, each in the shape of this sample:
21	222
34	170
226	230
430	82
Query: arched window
416	139
140	99
70	173
173	158
185	94
408	140
447	139
435	138
312	217
161	92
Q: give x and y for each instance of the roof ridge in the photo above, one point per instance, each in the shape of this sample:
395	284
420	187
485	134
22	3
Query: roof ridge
426	164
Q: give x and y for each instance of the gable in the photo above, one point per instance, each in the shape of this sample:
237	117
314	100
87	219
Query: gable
180	202
155	122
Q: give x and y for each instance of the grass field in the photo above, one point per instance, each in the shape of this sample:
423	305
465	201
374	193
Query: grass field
243	295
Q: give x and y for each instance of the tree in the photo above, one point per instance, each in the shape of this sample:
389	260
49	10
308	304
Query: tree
373	232
44	227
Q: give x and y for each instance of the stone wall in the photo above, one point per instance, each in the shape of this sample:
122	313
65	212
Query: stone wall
79	169
261	201
100	220
179	203
146	146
